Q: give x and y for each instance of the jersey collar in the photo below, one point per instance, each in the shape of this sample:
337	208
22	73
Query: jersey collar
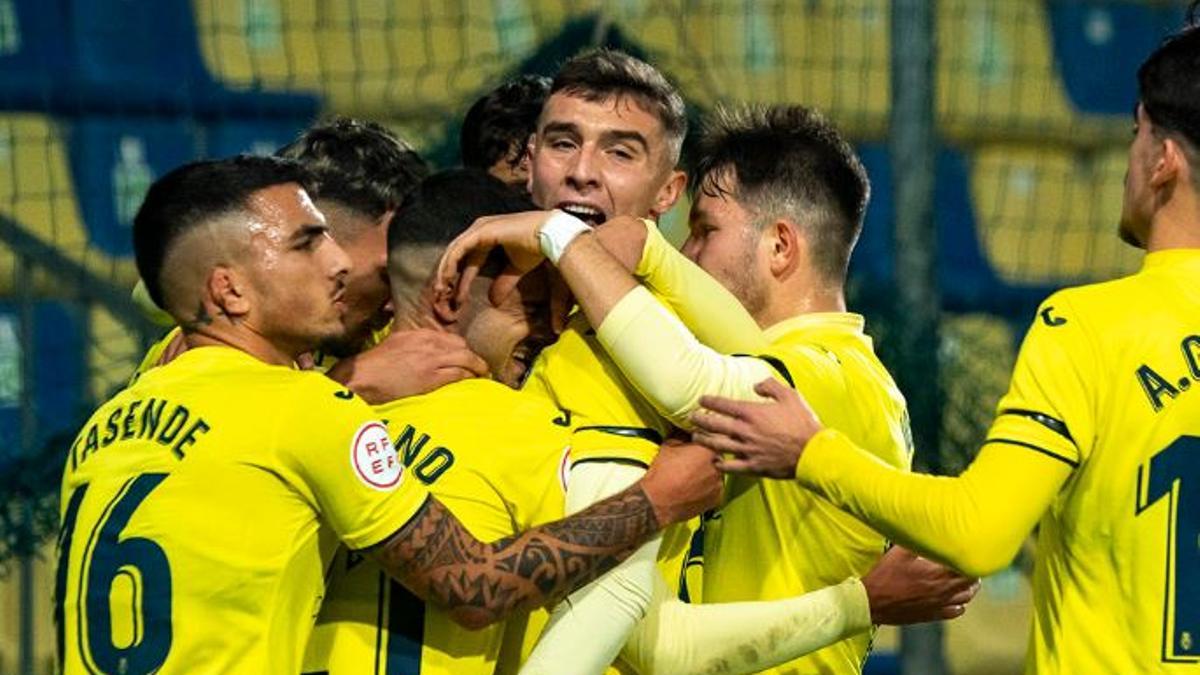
1171	257
837	321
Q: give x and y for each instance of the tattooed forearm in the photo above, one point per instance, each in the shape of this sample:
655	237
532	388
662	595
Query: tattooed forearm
480	583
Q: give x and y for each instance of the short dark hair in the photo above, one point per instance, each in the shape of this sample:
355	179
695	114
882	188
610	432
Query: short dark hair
445	204
358	164
787	160
502	119
196	193
1168	86
601	74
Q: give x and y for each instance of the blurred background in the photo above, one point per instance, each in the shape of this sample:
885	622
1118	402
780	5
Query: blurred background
994	132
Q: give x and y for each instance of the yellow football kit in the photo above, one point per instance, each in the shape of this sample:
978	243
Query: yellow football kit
774	539
496	458
201	508
1099	438
322	361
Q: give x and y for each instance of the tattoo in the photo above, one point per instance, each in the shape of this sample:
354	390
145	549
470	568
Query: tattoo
202	319
440	561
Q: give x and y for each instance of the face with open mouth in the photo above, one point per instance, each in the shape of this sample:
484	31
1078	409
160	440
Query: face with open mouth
600	159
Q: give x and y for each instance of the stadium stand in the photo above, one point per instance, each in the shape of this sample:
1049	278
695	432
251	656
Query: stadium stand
56	382
100	96
1116	33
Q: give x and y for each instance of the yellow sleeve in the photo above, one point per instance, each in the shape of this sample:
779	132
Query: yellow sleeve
713	314
667	364
975	522
1049	405
348	467
743	637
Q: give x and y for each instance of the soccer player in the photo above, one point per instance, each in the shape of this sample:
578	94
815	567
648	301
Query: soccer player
779	203
504	473
495	132
201	506
362	172
1097	441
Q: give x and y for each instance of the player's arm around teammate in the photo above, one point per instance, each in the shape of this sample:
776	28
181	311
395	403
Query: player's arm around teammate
676	637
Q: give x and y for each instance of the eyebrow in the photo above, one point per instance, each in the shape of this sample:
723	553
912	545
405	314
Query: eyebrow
309	230
619	135
610	136
561	127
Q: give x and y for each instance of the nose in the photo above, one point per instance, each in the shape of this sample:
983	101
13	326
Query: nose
583	172
691	248
337	261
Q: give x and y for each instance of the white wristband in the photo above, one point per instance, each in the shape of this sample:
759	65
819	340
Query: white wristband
559	230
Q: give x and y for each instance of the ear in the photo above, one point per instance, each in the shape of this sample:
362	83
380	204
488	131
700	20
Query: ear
229	292
668	194
785	247
1170	163
445	306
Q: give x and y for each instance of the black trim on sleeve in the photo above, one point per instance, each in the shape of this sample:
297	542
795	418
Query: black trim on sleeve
774	363
1069	462
1056	425
628	432
611	460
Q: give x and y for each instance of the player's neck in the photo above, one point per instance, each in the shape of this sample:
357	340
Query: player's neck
247	341
1176	224
411	311
801	297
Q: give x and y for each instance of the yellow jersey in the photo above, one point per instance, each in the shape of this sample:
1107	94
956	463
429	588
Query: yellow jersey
201	508
1103	384
321	361
611	422
496	458
774	539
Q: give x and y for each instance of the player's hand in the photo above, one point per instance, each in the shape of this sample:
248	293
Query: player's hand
766	439
905	588
408	363
682	482
624	237
517	233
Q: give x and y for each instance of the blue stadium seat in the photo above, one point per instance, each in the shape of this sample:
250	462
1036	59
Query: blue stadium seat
34	54
59	351
113	161
967	280
1099	45
230	137
144	56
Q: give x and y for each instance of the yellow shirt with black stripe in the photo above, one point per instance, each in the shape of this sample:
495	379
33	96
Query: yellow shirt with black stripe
1103	384
496	458
1098	438
774	539
201	507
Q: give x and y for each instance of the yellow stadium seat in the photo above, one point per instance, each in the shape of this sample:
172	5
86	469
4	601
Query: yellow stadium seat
36	191
1049	215
367	57
996	74
833	56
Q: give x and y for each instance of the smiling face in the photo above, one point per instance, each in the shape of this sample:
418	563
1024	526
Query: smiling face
600	159
296	272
